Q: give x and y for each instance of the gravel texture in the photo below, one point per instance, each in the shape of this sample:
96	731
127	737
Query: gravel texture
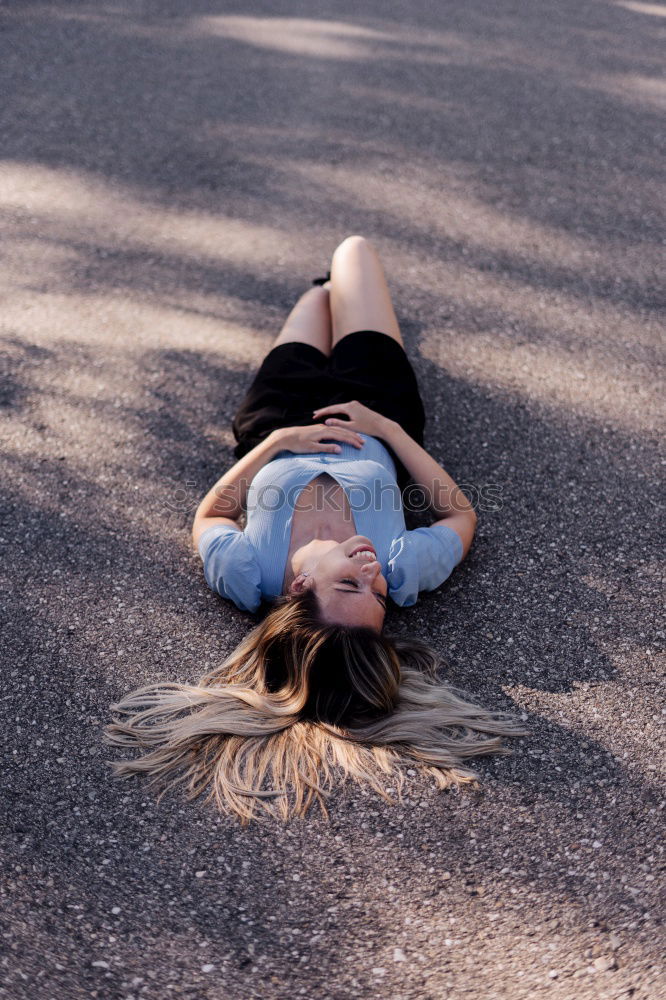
171	178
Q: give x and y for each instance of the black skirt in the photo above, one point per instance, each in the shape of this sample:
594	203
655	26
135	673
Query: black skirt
296	378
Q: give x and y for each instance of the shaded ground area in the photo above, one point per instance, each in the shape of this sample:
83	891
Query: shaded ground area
169	183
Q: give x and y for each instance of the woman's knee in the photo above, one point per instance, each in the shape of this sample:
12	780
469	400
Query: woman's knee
318	294
354	243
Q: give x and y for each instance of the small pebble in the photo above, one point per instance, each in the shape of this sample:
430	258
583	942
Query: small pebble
207	968
399	955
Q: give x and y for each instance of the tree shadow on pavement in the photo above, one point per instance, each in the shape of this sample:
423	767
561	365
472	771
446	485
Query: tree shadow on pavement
509	161
566	125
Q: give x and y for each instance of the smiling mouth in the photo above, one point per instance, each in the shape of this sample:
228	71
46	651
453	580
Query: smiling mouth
362	548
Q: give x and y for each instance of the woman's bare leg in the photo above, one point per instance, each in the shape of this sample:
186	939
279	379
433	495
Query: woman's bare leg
309	321
360	298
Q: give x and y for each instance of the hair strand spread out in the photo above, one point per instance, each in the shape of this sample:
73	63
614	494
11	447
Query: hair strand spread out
299	704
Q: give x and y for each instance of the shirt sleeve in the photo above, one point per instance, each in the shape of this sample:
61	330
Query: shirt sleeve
420	560
230	566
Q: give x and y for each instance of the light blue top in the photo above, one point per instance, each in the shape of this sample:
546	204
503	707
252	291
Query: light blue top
246	566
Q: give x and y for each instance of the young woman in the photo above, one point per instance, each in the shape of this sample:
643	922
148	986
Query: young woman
330	437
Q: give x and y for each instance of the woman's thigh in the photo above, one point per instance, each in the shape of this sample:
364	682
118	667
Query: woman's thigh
309	322
359	295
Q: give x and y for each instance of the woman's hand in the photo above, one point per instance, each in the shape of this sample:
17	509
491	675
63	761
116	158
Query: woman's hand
308	439
361	418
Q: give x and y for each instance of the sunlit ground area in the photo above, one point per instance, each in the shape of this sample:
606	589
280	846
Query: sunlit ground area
170	182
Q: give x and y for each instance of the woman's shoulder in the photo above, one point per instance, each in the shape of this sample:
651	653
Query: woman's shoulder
421	559
231	565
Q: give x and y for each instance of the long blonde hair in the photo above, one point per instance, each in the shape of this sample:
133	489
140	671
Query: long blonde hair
297	703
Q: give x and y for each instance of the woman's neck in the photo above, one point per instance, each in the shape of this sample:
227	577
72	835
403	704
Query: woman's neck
321	511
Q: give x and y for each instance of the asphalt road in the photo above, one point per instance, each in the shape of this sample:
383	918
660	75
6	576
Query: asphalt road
171	178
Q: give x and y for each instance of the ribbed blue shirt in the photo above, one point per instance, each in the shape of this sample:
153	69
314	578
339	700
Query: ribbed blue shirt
246	566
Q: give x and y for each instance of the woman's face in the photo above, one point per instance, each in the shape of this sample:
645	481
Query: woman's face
347	578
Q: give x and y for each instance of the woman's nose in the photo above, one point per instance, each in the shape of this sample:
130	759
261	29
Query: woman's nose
371	569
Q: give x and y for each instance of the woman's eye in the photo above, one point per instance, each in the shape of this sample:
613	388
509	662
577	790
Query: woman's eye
380	597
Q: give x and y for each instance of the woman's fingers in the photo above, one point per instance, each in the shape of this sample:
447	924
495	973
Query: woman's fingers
342	434
333	408
335	422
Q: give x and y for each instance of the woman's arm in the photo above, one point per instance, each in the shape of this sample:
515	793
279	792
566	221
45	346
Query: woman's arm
225	501
446	500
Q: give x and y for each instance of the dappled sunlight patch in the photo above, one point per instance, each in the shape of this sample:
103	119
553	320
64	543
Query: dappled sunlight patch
632	88
651	9
299	35
550	376
220	434
122	427
437	197
578	717
564	345
117	214
131	324
116	498
91	261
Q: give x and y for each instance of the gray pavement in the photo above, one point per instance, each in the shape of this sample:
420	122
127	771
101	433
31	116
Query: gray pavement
171	178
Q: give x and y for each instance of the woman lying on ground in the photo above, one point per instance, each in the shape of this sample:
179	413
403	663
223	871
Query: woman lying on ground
330	434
